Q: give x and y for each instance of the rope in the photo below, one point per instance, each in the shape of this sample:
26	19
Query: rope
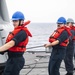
35	47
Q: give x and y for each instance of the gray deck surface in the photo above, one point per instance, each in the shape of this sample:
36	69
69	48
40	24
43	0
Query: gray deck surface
37	64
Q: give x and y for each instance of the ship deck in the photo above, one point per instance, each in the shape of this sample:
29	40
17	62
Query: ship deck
37	64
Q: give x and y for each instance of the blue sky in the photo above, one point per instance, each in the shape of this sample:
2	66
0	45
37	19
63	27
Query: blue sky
43	10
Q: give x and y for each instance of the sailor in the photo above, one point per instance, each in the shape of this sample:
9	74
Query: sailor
74	46
58	41
16	44
70	48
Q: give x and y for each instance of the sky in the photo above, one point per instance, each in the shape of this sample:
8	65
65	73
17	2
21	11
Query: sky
42	10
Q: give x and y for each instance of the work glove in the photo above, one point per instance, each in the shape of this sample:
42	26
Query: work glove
1	53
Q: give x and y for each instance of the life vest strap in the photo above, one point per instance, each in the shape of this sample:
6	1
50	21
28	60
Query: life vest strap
22	46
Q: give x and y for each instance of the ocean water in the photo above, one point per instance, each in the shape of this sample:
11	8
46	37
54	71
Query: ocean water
40	35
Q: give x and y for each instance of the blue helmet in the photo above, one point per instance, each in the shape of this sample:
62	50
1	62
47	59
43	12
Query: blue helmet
18	16
61	20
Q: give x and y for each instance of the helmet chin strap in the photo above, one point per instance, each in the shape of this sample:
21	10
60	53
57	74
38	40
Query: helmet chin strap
20	23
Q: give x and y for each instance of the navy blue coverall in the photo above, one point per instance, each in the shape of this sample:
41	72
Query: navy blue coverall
57	55
15	60
69	55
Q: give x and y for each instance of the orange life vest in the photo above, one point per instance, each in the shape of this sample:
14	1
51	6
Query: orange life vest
21	47
73	28
57	33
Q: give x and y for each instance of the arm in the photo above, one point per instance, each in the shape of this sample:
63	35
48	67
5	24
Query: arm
7	46
17	39
52	44
59	40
